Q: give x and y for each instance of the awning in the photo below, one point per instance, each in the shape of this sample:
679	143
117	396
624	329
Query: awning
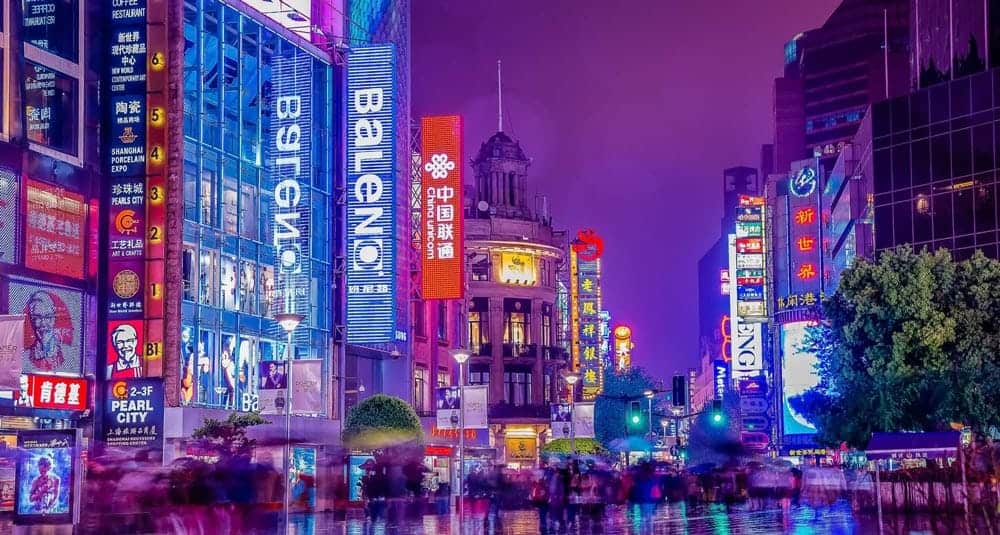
934	445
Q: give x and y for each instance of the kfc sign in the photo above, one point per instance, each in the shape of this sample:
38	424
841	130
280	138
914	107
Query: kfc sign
52	392
441	204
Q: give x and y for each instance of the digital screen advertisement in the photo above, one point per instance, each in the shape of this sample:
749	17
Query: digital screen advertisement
10	200
371	194
441	203
302	478
798	372
55	230
356	471
45	472
52	327
518	268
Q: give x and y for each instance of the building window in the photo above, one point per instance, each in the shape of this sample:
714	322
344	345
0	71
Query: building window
209	177
229	283
187	270
517	386
419	328
543	271
475	332
479	374
266	290
208	278
248	287
547	325
444	378
516	314
248	211
547	391
419	389
230	198
479	266
442	326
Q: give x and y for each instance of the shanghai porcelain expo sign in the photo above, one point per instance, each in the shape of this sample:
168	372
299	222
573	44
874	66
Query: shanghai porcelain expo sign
803	184
371	195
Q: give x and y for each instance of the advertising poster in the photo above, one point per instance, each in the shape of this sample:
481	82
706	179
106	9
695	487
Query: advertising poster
371	198
11	350
356	471
521	449
189	367
51	392
798	373
133	414
583	418
247	380
55	230
10	199
561	420
273	384
474	403
449	402
441	202
45	472
518	268
8	460
302	478
52	327
307	387
226	387
124	358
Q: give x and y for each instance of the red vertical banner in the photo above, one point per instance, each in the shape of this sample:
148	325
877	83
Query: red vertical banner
156	187
441	196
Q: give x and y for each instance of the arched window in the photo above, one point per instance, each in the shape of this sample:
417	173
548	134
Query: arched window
511	187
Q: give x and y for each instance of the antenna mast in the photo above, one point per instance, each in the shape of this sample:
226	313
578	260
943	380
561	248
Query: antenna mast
499	100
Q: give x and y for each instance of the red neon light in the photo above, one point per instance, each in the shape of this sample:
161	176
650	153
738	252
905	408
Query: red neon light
805	216
806	271
806	243
588	245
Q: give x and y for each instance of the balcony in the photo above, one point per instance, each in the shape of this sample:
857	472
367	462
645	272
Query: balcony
507	411
483	350
554	353
520	351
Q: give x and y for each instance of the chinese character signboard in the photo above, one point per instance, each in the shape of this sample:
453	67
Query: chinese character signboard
441	201
804	219
623	348
133	414
46	470
54	233
750	272
371	195
746	338
52	392
585	297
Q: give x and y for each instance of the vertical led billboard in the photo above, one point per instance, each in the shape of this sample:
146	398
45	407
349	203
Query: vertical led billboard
371	195
798	374
746	337
441	201
290	152
585	294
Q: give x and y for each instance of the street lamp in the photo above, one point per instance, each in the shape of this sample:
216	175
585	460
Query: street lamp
288	321
664	422
571	379
649	396
461	356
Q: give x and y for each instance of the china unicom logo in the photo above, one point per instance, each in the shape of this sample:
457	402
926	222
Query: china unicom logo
439	166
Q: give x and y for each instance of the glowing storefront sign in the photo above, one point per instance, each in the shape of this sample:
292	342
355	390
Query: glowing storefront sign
52	392
803	184
441	190
623	348
55	229
518	268
371	195
290	144
720	374
798	373
585	296
746	338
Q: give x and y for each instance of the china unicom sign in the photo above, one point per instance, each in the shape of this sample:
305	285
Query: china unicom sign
371	195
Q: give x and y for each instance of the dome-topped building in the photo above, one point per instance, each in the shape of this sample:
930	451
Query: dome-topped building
501	171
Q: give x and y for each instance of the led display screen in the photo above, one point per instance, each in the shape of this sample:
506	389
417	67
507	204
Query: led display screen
441	202
798	373
302	478
50	108
9	201
52	327
45	472
371	195
55	231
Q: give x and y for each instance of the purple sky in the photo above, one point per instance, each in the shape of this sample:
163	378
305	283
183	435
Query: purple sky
630	116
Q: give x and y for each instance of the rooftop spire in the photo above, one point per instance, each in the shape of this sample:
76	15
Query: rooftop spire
499	100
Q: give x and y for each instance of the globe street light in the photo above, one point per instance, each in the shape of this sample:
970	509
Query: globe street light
288	321
571	379
461	356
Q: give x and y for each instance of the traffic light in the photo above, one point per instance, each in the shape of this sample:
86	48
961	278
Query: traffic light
680	391
634	416
717	416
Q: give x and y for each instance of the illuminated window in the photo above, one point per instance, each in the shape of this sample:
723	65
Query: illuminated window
266	290
419	389
516	330
188	263
229	280
479	374
480	267
476	332
547	391
208	278
248	287
230	197
546	325
209	178
517	385
444	378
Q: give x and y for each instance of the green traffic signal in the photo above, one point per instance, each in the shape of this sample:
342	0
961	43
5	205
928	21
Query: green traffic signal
717	418
635	418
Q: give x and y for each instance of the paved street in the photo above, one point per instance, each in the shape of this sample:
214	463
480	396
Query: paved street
676	518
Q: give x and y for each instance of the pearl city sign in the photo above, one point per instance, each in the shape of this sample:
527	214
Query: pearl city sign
371	195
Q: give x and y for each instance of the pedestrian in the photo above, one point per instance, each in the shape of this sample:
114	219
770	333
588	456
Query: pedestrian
539	497
558	485
573	494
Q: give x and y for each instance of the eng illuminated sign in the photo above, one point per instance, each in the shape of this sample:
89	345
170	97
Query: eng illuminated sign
441	201
746	338
371	195
290	144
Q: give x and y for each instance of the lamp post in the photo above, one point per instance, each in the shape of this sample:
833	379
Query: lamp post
664	422
649	398
461	357
571	379
289	322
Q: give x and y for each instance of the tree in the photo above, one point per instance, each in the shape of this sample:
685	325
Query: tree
380	422
586	446
611	406
909	342
715	442
228	438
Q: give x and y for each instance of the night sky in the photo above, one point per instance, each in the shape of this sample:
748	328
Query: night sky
630	116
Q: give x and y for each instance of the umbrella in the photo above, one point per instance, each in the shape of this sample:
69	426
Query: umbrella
702	468
630	444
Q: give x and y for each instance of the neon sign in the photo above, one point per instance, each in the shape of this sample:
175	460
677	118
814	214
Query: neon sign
803	184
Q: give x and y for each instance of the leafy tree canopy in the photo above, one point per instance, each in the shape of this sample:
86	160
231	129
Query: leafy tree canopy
586	446
229	437
611	406
380	422
910	342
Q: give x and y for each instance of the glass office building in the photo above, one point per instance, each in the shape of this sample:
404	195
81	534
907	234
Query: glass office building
228	260
935	167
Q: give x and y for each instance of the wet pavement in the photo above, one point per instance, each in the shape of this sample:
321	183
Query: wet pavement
673	518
